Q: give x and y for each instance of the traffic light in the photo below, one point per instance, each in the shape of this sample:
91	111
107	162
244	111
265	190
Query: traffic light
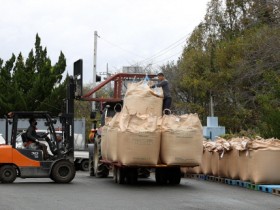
78	78
98	78
93	115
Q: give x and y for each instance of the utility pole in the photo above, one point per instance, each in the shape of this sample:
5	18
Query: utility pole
94	68
211	106
108	75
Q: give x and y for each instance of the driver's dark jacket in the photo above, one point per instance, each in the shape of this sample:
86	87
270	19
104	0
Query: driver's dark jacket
31	133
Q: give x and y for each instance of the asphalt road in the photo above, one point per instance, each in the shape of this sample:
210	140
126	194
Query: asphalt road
87	192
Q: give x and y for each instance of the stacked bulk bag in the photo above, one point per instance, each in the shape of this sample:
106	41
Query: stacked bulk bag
140	98
222	149
181	140
138	140
263	158
257	160
209	159
206	162
252	160
139	135
243	161
131	139
233	160
215	163
104	142
112	138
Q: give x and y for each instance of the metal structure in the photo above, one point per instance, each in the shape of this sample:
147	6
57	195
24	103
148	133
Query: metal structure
118	83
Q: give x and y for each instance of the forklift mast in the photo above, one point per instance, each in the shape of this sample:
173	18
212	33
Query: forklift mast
67	118
74	91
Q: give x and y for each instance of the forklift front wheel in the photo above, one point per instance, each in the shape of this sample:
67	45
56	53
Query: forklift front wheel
8	174
63	172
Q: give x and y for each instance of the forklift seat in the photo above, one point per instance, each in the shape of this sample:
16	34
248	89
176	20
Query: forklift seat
24	139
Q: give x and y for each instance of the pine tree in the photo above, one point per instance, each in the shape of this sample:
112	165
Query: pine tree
34	83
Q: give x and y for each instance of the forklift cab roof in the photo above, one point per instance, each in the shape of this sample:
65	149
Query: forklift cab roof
29	114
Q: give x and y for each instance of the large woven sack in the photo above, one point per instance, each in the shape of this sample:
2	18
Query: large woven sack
223	165
233	161
264	166
240	159
104	135
140	98
181	142
215	163
138	140
208	149
112	144
112	138
233	164
243	166
222	148
206	163
263	161
104	142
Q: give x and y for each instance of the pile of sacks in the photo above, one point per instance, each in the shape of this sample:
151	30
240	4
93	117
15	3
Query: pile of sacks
254	160
140	135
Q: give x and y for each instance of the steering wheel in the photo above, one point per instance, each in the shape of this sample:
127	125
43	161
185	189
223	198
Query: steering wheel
45	135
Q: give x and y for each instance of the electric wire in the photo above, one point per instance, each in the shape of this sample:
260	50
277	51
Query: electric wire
117	46
160	61
168	48
158	54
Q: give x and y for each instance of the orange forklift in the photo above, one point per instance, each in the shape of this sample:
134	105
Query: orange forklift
24	162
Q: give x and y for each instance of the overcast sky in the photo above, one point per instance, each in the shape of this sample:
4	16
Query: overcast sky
131	32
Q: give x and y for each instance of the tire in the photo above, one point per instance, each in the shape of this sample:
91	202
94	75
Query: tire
174	176
8	174
91	161
101	170
84	165
63	172
161	176
131	175
120	175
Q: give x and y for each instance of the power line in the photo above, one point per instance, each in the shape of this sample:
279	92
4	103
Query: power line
160	53
165	52
168	48
118	46
168	57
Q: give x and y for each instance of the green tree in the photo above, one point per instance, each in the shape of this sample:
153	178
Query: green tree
7	93
34	83
234	56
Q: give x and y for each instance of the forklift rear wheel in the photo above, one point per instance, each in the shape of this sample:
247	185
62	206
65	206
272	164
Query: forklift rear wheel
8	174
63	172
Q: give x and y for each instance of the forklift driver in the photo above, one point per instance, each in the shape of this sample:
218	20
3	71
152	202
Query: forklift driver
32	139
